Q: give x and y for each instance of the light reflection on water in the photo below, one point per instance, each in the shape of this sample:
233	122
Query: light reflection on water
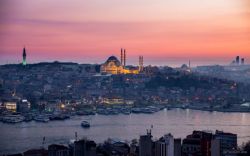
20	137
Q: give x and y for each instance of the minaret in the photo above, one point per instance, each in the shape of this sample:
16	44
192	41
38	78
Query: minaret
124	58
24	57
121	57
140	63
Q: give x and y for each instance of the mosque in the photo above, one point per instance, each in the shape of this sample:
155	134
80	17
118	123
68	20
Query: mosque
114	66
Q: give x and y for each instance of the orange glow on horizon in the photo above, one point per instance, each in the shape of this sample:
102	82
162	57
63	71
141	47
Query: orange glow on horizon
159	29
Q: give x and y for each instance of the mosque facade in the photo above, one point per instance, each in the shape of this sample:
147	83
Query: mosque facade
115	66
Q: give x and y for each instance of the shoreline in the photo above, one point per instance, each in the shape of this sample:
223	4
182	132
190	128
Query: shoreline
46	117
213	110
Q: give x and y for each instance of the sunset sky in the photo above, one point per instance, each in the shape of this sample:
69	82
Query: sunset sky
165	32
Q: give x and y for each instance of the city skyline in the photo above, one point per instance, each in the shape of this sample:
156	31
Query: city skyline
164	32
135	61
90	77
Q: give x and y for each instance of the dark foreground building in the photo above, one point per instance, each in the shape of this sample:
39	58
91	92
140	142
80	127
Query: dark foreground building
36	152
58	150
197	144
84	148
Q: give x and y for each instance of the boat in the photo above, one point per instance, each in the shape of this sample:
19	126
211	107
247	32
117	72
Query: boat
85	124
103	112
41	118
59	117
86	112
28	118
113	112
184	106
13	118
125	111
136	110
148	111
168	108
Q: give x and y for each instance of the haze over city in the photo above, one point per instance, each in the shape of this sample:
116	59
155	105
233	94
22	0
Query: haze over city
164	32
124	78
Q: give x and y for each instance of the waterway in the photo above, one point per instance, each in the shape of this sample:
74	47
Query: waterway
23	136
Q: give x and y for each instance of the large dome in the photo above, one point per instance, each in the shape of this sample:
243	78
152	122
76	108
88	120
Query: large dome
113	59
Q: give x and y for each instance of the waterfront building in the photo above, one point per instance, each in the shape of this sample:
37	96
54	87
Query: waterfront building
11	106
23	106
146	144
165	146
58	150
113	100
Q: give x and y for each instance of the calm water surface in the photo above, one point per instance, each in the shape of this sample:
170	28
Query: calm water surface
23	136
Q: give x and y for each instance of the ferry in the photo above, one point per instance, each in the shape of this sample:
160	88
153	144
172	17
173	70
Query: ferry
13	118
85	124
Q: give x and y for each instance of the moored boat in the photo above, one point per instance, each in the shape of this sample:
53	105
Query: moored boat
13	118
41	118
28	118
